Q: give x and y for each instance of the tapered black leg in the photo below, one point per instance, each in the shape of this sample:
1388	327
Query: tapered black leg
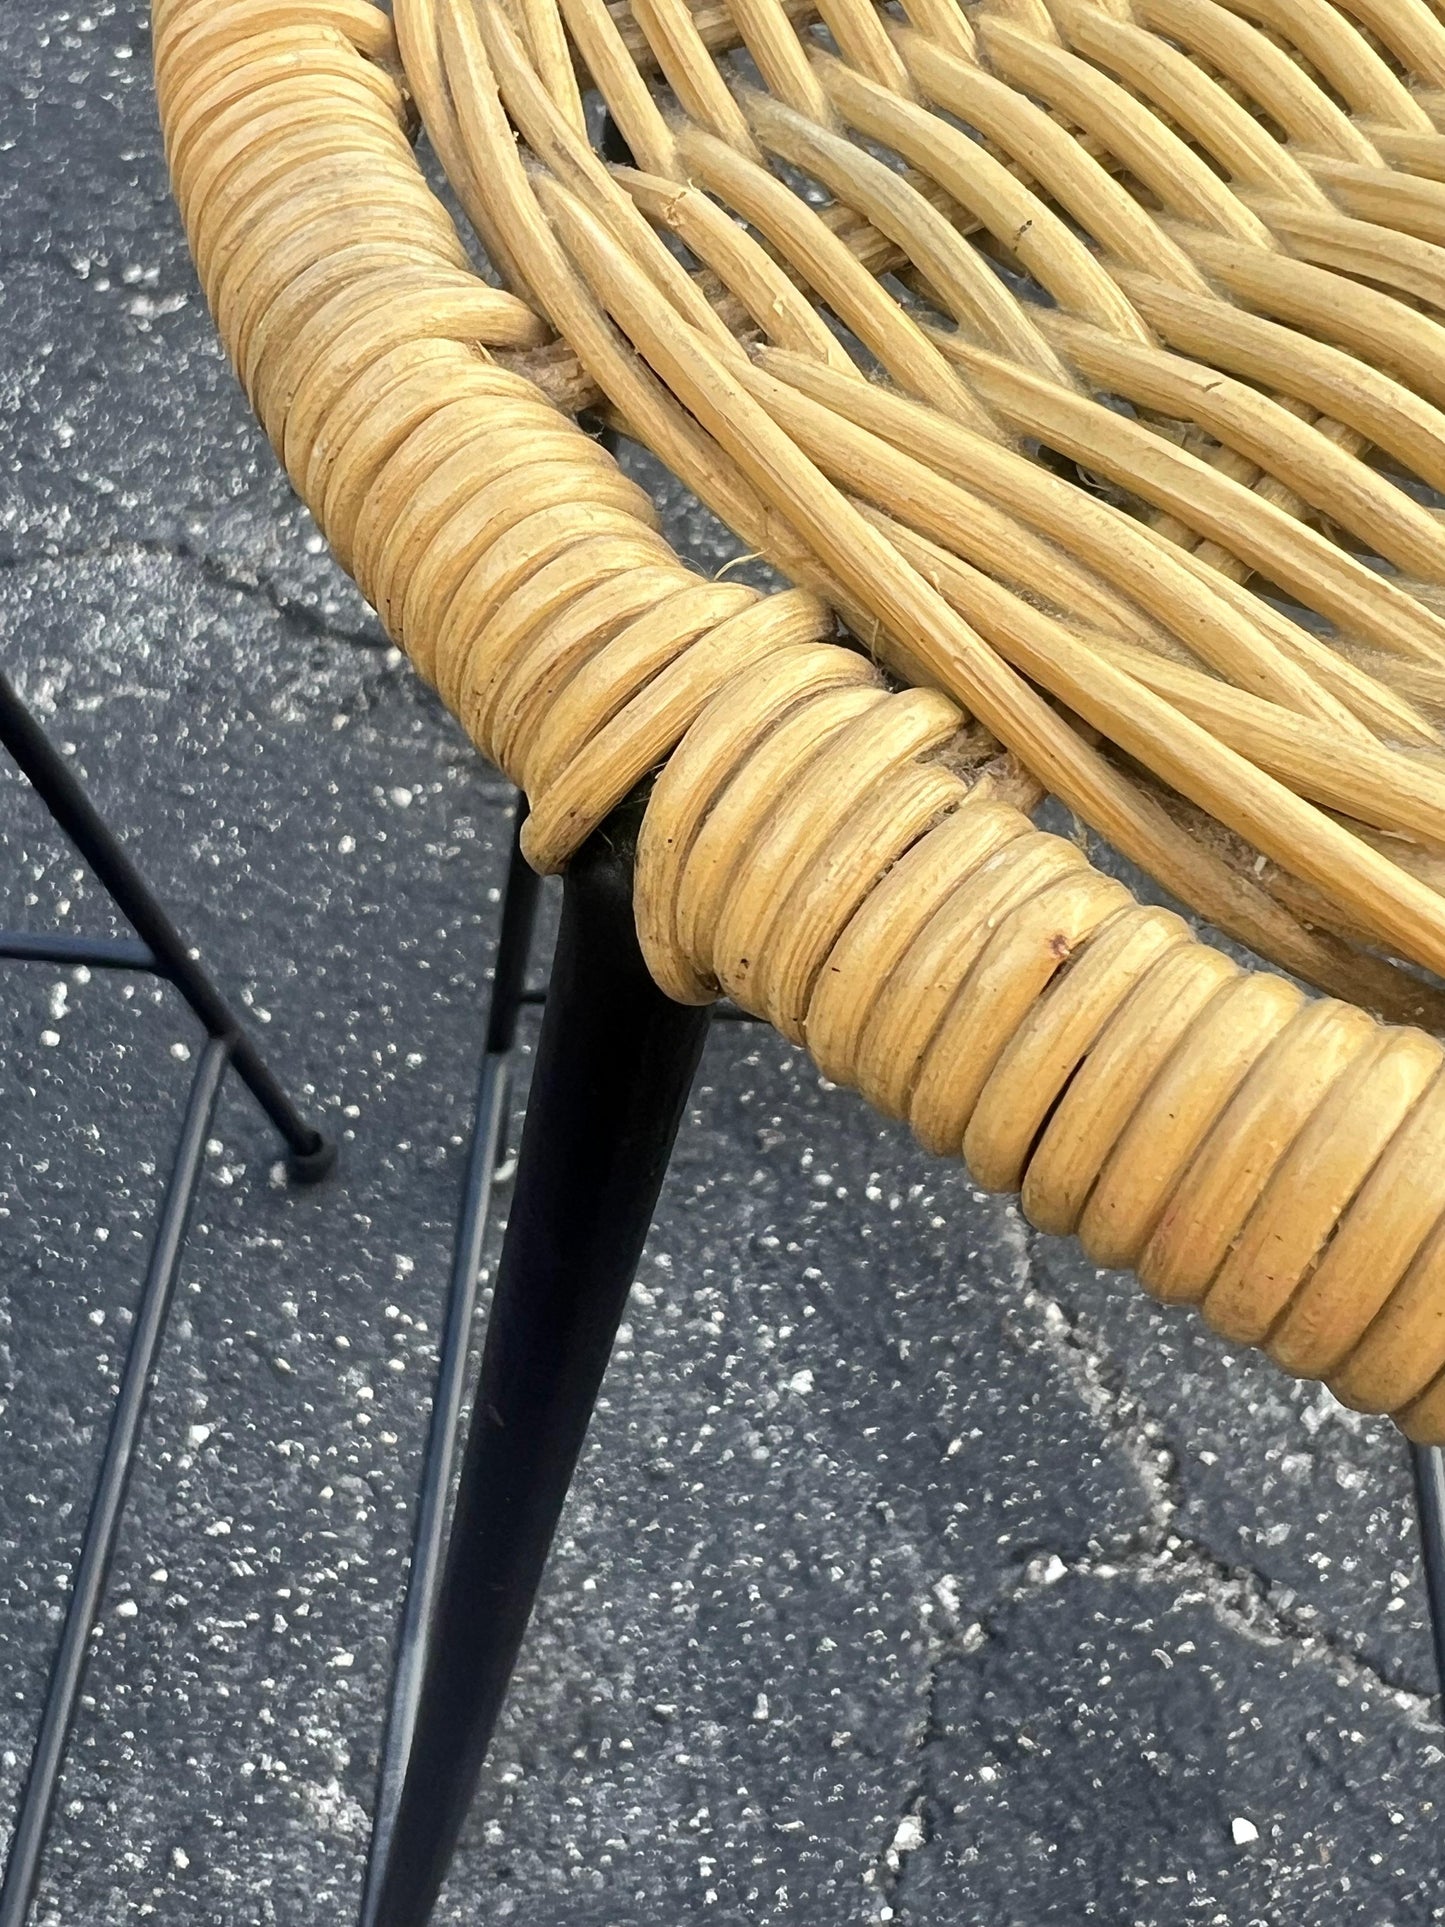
1429	1467
614	1066
519	908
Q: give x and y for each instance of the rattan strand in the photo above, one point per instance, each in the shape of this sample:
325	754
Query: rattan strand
1235	213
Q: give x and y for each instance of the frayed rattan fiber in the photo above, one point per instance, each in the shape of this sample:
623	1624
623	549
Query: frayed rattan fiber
1082	367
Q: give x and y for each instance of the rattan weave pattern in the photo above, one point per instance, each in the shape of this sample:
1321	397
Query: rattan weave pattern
1085	362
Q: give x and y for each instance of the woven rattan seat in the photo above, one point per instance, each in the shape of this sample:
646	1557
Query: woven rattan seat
1079	367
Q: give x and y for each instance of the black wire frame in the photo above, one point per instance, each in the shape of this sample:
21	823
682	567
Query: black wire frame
157	950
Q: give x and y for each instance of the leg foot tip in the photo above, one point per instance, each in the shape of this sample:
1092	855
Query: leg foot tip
310	1167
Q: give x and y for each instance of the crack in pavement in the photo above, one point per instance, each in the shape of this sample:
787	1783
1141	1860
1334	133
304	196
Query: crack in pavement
1103	1388
1192	1574
218	570
910	1827
1242	1598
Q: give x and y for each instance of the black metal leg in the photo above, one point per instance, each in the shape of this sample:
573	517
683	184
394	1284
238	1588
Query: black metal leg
614	1066
310	1154
1428	1462
519	907
22	1869
158	950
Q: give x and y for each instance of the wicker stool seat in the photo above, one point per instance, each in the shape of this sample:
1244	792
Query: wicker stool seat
1079	368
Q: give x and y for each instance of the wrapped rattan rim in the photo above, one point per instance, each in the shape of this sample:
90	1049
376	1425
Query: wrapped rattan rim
846	857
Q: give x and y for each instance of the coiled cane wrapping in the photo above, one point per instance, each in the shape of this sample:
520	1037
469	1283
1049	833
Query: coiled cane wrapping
1053	515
